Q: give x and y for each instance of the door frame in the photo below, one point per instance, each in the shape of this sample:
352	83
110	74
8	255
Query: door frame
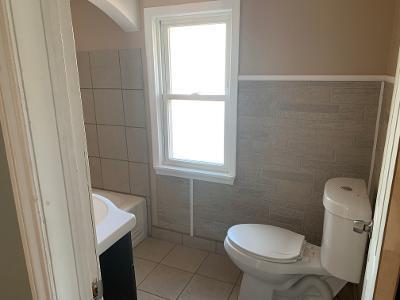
40	94
42	124
389	265
384	192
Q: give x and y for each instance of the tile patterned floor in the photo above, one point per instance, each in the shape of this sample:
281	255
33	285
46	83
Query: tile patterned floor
166	271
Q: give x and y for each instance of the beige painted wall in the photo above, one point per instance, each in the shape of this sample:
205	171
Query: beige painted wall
395	42
95	30
14	282
278	36
315	37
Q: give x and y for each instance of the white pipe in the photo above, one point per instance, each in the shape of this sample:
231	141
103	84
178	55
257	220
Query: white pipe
307	282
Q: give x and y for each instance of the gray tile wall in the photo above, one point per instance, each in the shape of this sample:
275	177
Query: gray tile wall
292	137
114	112
380	143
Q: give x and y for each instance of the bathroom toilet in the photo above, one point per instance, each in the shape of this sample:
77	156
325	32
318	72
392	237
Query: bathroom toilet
280	264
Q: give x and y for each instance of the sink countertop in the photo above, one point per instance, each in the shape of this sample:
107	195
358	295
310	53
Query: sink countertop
112	223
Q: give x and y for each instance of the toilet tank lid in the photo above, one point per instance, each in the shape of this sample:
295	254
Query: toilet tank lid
347	198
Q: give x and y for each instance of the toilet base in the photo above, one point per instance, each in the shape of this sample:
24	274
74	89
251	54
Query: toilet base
256	289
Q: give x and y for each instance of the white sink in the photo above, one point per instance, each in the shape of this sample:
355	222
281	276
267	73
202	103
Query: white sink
112	223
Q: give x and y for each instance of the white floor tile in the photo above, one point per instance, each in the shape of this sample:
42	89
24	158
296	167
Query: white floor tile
202	288
146	296
219	267
166	282
142	269
184	258
153	249
235	293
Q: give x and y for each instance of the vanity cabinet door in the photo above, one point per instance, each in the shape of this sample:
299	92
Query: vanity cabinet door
117	271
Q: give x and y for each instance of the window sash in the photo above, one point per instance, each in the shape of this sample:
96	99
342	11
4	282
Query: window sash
189	21
167	96
195	97
167	142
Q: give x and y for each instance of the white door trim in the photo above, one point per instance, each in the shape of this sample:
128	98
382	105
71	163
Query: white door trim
21	164
42	123
384	192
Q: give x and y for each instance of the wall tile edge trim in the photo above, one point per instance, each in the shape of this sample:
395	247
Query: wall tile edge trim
378	117
317	78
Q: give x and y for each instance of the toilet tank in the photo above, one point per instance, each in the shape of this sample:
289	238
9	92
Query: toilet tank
343	250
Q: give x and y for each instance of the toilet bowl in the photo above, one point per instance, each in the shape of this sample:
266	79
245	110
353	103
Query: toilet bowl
280	264
269	274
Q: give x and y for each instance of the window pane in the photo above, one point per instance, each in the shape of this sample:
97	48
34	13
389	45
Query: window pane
197	59
197	131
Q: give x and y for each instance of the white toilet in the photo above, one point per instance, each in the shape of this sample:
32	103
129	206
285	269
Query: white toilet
280	264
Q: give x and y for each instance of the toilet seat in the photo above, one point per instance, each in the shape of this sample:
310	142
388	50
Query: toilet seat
267	243
310	262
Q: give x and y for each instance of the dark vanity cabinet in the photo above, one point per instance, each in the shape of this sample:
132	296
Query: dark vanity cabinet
117	271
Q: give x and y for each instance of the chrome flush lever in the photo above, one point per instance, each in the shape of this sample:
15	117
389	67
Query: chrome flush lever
361	226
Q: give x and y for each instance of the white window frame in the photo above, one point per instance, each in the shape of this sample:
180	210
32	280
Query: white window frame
157	19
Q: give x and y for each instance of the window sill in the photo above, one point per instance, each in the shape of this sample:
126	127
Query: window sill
216	177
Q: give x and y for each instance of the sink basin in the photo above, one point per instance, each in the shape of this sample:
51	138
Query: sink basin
100	209
112	223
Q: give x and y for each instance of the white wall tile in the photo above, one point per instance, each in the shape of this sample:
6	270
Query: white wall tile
172	194
114	106
112	142
115	175
137	144
95	172
105	69
167	235
85	80
131	68
91	140
89	115
134	107
139	179
109	106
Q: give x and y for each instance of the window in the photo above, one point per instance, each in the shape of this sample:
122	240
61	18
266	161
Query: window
192	53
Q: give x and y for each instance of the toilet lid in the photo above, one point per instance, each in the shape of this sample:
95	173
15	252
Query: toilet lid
267	242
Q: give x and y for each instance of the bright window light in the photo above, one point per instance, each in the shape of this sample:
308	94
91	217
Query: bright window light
197	131
192	57
197	59
196	66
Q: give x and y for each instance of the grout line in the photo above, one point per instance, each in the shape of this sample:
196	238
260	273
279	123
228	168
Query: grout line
193	274
95	119
144	278
219	280
123	112
197	270
152	294
115	125
204	259
186	285
231	292
111	88
238	282
168	253
118	159
157	264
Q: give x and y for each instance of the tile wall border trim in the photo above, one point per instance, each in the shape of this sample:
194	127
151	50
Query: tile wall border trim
316	78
